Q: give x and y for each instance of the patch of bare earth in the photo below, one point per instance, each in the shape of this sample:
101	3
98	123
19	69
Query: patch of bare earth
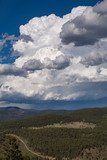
75	125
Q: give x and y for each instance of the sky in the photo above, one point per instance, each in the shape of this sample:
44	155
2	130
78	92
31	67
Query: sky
53	53
14	13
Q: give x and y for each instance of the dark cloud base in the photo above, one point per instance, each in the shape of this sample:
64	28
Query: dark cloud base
64	105
89	31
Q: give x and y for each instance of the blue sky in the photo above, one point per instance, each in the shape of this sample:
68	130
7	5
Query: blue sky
13	13
53	53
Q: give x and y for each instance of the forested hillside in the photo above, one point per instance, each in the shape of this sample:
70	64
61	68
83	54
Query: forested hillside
72	135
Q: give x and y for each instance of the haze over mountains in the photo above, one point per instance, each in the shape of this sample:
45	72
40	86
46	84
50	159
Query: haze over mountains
13	113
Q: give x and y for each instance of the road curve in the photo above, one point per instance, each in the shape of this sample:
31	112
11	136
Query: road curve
38	154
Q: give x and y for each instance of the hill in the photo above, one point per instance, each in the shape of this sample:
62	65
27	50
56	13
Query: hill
13	113
70	135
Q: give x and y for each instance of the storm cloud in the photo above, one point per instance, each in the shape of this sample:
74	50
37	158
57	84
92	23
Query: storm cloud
88	28
58	63
9	70
94	59
58	58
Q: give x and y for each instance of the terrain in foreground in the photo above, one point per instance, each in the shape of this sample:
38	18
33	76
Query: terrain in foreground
72	135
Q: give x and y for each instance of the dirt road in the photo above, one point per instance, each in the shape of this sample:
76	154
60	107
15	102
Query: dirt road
29	150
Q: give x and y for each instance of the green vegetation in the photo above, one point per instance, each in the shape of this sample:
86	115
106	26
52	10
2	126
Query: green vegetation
58	142
11	149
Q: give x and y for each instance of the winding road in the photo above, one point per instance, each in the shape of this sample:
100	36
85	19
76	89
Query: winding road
29	150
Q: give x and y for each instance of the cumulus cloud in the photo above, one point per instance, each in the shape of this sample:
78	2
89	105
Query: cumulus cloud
79	91
7	70
6	47
17	97
32	65
47	69
101	7
1	44
45	34
87	28
59	62
25	38
94	59
5	38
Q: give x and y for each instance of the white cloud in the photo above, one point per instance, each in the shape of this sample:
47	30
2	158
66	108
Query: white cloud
9	70
56	71
88	28
60	62
6	37
95	59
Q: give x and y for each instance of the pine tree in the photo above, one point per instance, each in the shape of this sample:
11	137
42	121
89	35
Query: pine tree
12	151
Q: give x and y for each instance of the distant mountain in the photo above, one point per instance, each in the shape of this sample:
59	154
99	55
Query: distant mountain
12	113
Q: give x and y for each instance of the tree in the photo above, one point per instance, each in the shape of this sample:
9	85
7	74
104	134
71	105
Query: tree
26	158
12	151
